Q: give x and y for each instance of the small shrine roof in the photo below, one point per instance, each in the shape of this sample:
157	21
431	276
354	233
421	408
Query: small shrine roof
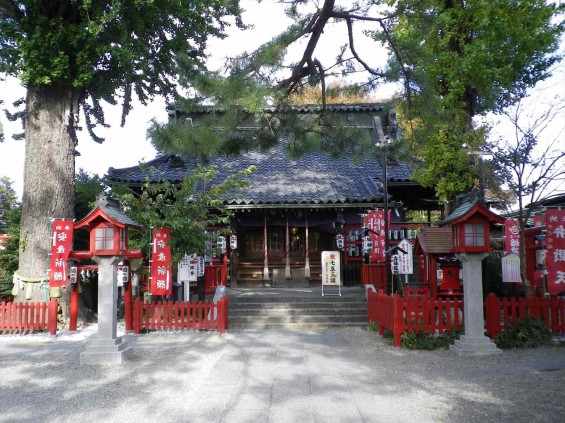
435	240
111	208
469	206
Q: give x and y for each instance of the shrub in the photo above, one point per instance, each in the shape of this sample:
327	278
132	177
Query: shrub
426	341
528	333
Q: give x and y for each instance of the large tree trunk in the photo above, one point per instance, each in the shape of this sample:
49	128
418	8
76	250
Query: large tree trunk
48	177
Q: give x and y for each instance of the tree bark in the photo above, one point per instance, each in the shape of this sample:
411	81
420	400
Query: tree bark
49	172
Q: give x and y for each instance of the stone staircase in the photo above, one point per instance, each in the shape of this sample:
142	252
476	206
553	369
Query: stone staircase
284	311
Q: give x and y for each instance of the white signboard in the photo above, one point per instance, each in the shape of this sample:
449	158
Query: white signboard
123	273
406	264
331	268
200	266
511	268
187	268
395	264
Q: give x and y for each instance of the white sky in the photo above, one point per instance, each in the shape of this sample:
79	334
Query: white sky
127	146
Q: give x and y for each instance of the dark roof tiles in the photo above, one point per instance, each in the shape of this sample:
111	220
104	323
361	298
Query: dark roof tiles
315	177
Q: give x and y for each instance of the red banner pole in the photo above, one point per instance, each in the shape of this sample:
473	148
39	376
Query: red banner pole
73	308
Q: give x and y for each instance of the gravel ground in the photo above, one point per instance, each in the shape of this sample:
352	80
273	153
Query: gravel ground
348	375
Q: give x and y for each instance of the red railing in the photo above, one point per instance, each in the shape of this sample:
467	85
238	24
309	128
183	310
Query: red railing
204	315
504	313
28	317
215	275
400	315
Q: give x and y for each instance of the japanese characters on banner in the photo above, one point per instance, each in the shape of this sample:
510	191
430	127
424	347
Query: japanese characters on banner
161	280
61	244
512	236
555	246
331	268
375	221
406	261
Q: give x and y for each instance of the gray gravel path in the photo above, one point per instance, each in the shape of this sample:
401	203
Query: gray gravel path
348	375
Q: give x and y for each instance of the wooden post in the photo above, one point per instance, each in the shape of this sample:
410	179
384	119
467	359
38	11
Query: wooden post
398	323
73	307
52	319
128	299
266	251
137	316
221	315
307	259
287	273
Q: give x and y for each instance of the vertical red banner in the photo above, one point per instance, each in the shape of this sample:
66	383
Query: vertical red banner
161	274
375	221
61	244
555	247
512	236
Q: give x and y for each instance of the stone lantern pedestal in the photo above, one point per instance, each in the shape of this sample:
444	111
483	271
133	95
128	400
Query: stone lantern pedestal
474	342
107	348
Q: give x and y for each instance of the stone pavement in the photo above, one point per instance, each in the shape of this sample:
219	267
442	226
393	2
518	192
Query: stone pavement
326	375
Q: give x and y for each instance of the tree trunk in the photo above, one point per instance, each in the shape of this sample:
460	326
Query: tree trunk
49	173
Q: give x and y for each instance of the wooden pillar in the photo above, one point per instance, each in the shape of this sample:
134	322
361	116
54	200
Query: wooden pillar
73	307
287	274
307	261
266	249
128	300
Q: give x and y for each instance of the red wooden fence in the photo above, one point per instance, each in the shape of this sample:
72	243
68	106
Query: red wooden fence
180	315
400	315
504	313
28	317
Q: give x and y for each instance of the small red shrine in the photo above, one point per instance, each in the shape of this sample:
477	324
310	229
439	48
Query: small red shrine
108	226
438	266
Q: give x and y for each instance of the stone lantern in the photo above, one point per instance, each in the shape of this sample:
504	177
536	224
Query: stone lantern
470	228
108	226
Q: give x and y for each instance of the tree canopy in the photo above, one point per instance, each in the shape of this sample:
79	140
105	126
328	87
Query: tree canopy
455	60
75	56
108	51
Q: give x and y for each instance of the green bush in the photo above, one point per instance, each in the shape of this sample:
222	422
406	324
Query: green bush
426	341
528	333
374	327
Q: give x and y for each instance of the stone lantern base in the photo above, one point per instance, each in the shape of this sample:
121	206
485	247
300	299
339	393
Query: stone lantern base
106	351
467	346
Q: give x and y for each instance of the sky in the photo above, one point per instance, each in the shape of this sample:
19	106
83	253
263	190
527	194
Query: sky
127	146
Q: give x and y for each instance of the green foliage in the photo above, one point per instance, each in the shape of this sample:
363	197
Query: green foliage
374	327
188	209
528	333
426	341
108	50
10	217
87	188
459	60
8	201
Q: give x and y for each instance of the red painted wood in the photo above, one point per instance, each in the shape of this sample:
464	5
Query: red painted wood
73	308
128	305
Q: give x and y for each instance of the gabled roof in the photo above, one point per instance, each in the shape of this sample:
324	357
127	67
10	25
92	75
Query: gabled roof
314	178
434	240
470	206
109	209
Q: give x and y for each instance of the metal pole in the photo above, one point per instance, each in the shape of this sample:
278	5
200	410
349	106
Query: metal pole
378	128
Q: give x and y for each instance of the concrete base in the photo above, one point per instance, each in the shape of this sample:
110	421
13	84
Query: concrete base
106	352
467	346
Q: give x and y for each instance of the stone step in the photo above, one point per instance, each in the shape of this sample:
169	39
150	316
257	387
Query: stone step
259	325
273	310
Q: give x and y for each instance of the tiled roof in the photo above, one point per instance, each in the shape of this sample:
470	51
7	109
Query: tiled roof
314	178
436	240
305	108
